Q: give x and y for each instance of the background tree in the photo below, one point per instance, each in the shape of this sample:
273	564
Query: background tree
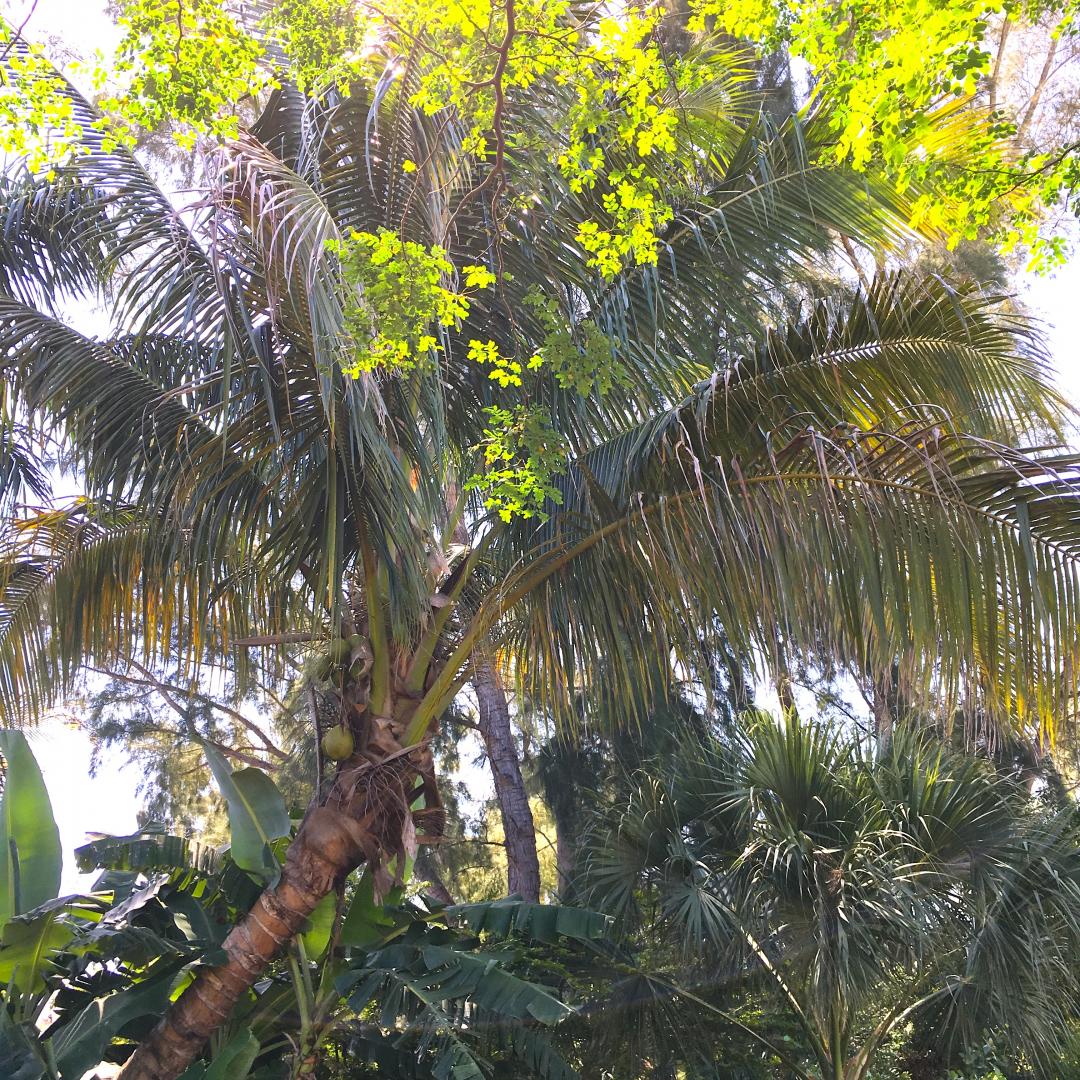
859	890
886	68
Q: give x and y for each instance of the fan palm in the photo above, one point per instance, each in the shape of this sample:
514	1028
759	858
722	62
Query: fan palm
859	890
833	476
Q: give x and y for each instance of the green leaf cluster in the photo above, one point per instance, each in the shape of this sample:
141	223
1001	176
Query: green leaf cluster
398	300
186	63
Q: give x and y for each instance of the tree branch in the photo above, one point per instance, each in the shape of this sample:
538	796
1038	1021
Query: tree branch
17	35
249	725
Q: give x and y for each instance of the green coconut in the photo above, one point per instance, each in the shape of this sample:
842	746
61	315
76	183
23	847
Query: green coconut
338	743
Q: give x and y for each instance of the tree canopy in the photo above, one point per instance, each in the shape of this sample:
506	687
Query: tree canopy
510	345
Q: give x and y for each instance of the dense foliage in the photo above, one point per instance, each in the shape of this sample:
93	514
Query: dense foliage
545	356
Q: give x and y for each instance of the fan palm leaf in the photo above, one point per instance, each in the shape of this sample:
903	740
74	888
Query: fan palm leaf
860	888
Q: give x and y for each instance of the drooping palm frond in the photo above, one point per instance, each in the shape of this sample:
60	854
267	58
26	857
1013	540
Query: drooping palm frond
21	473
860	446
911	350
136	421
737	254
763	197
953	557
121	407
231	379
1016	976
104	208
53	241
34	561
85	581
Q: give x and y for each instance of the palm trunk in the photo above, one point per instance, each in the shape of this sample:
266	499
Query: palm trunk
887	707
883	721
565	770
362	819
523	866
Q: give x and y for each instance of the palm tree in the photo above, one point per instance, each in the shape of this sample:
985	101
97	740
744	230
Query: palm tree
824	477
87	975
859	890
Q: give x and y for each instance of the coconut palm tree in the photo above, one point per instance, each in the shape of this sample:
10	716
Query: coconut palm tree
823	476
859	890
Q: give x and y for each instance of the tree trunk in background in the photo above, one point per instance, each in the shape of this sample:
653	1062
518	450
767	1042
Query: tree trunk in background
565	856
566	772
523	867
887	707
672	30
429	870
884	721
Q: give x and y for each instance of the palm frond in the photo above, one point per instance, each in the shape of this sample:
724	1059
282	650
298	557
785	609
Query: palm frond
954	558
21	472
54	238
85	583
848	883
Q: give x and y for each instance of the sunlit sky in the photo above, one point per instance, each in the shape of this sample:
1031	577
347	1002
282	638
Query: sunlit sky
108	802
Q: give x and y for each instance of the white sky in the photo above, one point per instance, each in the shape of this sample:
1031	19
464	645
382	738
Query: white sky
107	802
1056	300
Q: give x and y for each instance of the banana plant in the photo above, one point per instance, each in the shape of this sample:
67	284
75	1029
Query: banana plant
50	945
30	860
445	990
30	867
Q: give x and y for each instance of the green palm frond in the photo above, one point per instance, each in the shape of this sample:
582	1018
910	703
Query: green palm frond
818	494
68	556
1017	975
54	238
84	581
21	473
953	557
455	1002
120	406
104	209
912	349
771	200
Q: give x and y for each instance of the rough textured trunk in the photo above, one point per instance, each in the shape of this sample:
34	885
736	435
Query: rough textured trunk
364	818
887	707
429	870
276	917
566	770
523	867
883	722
